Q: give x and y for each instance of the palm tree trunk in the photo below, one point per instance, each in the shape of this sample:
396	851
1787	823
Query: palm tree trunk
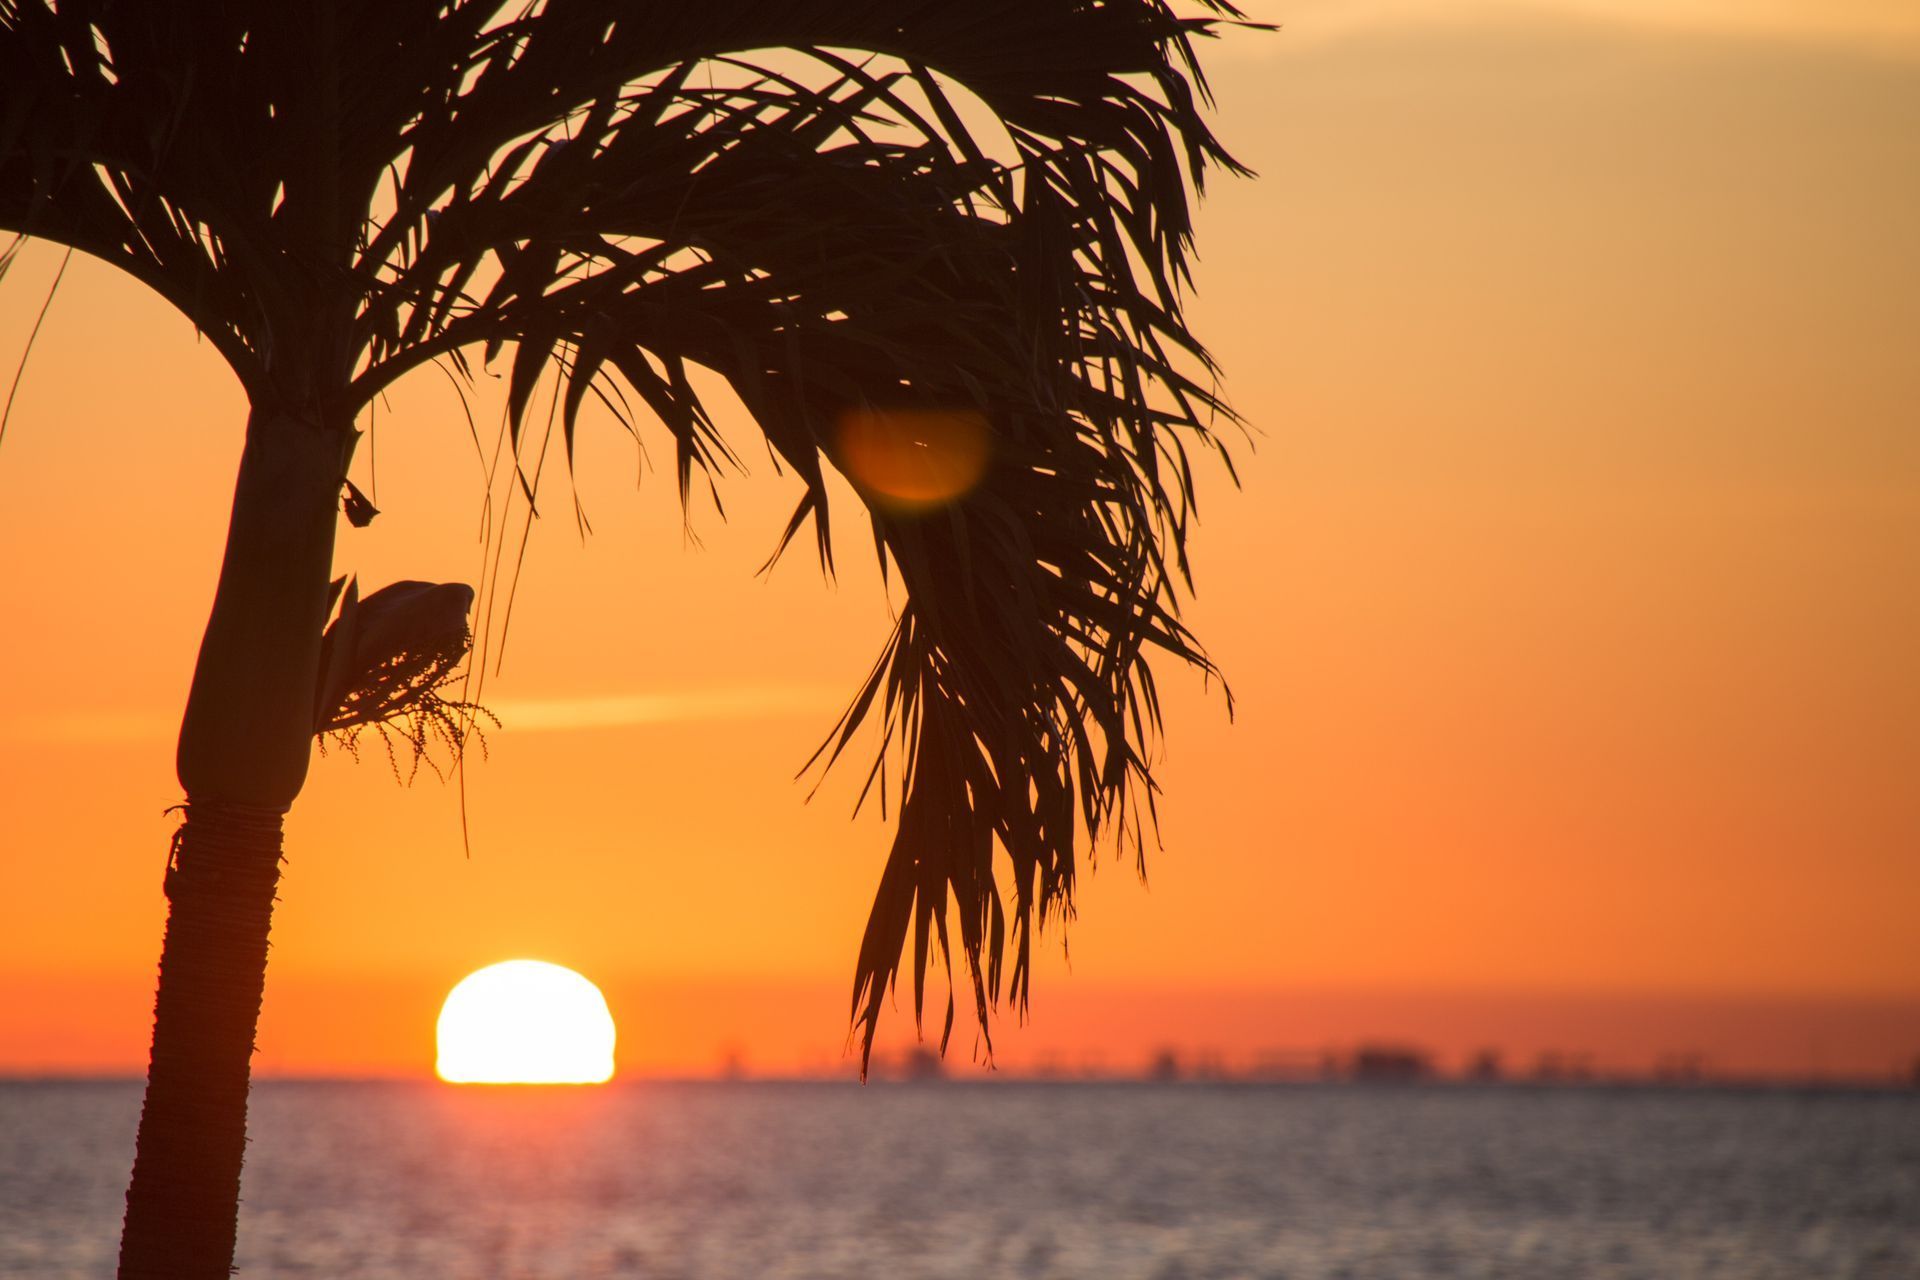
183	1202
244	746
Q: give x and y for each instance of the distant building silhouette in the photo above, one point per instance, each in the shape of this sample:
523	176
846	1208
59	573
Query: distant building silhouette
921	1063
1292	1064
1390	1064
1209	1064
1680	1068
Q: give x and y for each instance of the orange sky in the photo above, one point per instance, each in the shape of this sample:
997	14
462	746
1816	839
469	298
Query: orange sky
1569	607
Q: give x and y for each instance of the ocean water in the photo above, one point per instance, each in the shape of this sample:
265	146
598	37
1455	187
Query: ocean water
1157	1181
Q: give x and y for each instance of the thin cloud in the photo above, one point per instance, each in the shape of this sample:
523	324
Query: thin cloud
1885	26
750	702
529	715
94	727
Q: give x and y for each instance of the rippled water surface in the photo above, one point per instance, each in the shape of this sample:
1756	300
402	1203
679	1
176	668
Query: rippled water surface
981	1180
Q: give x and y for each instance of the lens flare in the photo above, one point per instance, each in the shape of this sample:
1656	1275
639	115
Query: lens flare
914	459
525	1022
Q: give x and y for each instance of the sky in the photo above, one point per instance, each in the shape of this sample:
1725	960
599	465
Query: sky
1567	601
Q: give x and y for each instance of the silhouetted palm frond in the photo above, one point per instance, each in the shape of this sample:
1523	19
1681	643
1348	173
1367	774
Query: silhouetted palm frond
844	207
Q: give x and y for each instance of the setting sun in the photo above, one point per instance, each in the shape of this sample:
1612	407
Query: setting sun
525	1022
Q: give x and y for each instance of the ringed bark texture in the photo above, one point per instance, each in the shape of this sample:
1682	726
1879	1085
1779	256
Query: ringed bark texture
182	1204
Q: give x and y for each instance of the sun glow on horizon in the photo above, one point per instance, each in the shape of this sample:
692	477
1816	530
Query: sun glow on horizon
525	1022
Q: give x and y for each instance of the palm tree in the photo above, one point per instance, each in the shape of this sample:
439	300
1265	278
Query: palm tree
868	216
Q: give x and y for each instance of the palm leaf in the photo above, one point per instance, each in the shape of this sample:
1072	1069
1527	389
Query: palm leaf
840	206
